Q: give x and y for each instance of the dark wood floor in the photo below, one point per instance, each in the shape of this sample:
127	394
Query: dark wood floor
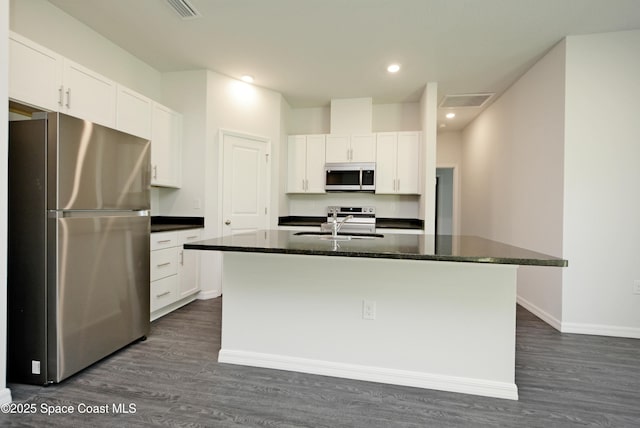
173	379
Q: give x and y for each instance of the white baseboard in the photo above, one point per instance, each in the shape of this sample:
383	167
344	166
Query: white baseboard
579	328
172	307
373	374
601	330
537	311
209	294
5	396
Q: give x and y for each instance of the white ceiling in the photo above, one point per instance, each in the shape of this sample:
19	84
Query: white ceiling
314	50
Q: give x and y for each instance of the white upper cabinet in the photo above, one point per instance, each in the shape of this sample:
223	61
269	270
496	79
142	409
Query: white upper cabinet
386	162
351	148
133	113
338	148
398	163
88	95
35	74
305	172
42	78
166	132
363	148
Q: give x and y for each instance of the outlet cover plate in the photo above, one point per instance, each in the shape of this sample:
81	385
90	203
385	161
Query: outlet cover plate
368	309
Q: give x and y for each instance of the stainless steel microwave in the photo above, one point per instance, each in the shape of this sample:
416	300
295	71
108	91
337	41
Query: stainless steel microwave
350	177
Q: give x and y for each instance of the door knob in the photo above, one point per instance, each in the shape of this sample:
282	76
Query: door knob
228	222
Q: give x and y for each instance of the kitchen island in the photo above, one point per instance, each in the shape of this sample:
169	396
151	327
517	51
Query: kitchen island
415	310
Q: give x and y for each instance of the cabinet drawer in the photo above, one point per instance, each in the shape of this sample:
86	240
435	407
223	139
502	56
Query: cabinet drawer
163	240
164	263
190	235
163	292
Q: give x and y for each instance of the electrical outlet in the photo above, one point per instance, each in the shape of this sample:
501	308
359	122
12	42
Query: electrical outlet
636	286
368	310
35	367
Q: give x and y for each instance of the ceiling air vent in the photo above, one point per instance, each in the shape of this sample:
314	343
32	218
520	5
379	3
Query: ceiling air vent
465	100
184	9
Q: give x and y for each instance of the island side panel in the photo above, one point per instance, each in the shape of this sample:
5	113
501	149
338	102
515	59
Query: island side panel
440	325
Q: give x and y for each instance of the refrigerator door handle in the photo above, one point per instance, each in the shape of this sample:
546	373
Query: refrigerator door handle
94	213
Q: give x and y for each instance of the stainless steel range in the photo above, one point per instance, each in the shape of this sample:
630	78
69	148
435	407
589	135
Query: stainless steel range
356	219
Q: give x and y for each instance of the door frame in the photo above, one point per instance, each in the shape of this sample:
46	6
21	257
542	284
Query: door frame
455	223
267	141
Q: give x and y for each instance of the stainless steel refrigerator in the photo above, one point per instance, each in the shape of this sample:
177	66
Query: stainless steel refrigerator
78	253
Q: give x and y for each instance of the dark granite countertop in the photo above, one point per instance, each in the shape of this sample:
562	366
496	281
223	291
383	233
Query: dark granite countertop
168	224
470	249
381	222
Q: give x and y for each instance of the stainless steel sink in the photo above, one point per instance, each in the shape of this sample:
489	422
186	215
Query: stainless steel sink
340	236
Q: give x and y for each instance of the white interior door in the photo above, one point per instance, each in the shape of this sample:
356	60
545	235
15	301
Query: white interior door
245	184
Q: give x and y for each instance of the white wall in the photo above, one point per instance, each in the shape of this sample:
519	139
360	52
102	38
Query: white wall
236	106
285	120
602	184
5	394
428	125
186	92
449	148
393	206
396	117
316	120
385	118
512	177
48	26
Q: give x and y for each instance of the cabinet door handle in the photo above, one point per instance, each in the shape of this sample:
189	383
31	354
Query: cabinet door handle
163	294
306	184
192	237
398	189
164	241
182	257
68	97
163	264
155	172
60	95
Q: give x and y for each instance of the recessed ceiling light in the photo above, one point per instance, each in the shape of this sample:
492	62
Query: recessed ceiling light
451	115
443	125
247	78
393	68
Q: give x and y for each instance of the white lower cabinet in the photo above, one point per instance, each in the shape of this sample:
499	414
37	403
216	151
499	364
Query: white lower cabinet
163	293
189	263
174	271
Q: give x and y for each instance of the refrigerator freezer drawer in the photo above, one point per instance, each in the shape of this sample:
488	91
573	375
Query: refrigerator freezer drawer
101	269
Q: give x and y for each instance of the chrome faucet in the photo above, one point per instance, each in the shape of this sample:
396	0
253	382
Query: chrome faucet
337	225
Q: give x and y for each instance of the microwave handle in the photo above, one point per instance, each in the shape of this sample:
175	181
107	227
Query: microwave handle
360	178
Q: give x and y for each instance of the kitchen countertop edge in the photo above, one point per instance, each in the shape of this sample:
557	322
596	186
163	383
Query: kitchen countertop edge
170	224
542	260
